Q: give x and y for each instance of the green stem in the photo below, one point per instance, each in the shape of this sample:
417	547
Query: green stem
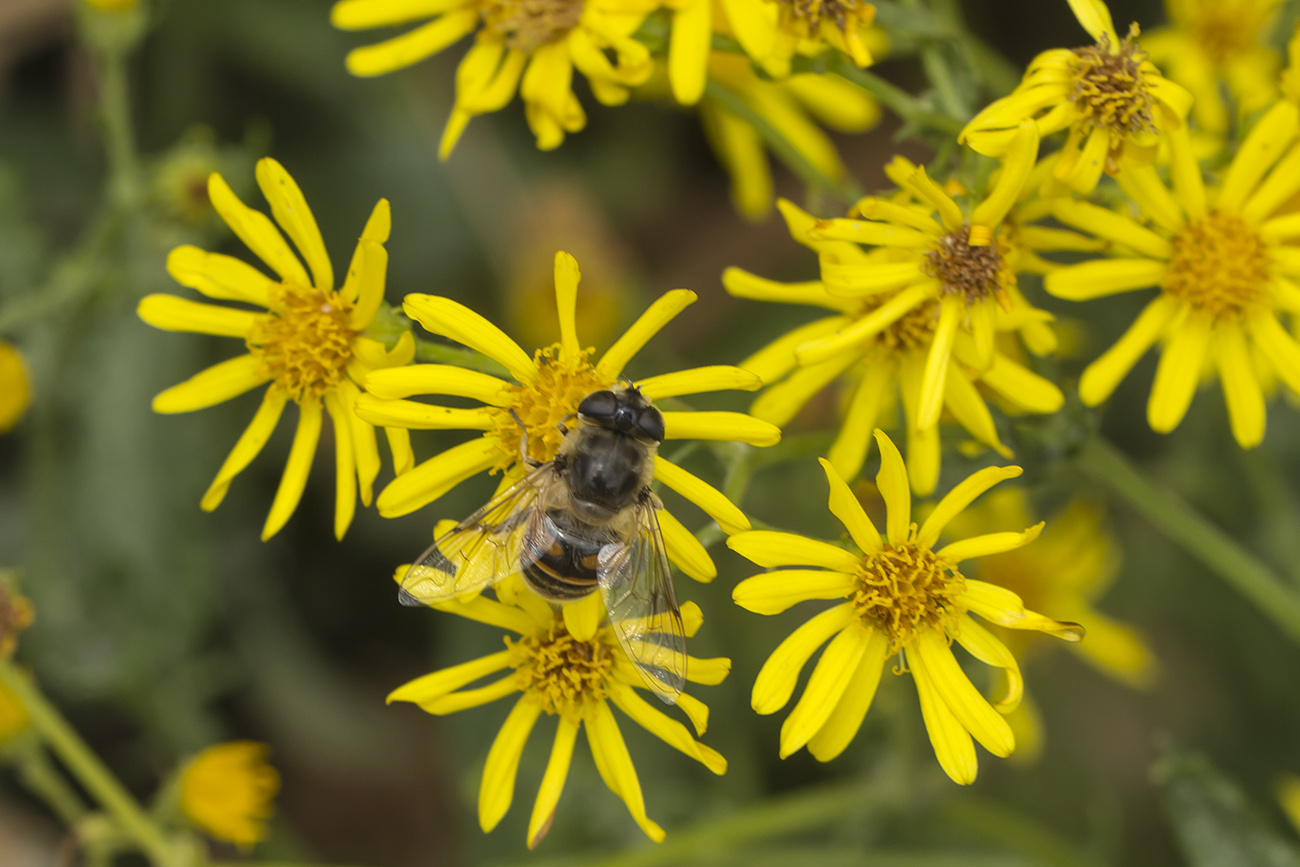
119	137
893	97
77	275
87	767
1223	556
39	775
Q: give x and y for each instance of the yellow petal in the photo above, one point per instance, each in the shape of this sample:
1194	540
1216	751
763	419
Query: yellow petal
950	739
1143	185
989	543
1005	608
399	444
972	710
1102	376
1262	147
180	314
892	482
1016	165
582	618
248	446
731	426
1107	224
1241	388
1095	18
446	680
647	325
742	284
710	499
684	550
458	701
413	46
855	333
846	718
777	678
217	384
985	647
1178	374
848	510
615	765
830	678
557	771
421	416
781	402
1277	346
364	14
1021	386
294	480
219	276
498	787
345	466
367	277
774	592
436	476
770	548
697	380
417	379
855	279
688	50
457	322
257	232
849	451
961	496
666	729
567	276
937	362
1188	184
868	232
1102	277
290	210
963	400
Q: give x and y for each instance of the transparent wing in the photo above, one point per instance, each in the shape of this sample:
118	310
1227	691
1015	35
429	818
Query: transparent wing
637	586
489	545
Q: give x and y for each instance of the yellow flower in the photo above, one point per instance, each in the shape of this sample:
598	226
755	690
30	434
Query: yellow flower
15	614
1072	564
922	311
531	46
1288	794
1111	98
227	790
1225	259
15	388
900	596
13	715
547	388
1212	43
792	107
309	344
564	664
113	5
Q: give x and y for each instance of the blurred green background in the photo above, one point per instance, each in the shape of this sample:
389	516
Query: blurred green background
161	629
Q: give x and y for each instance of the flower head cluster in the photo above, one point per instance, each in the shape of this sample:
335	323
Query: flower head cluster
563	663
227	790
526	411
308	345
899	595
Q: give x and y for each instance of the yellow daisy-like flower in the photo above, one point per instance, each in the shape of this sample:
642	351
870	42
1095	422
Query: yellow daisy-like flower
532	46
922	310
1111	98
15	387
563	663
900	596
228	789
13	716
1211	43
309	344
1226	260
547	388
793	107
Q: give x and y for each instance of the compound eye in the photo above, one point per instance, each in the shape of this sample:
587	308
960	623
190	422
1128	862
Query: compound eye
599	406
650	424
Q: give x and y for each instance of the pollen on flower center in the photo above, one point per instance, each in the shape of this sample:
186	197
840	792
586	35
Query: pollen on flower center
305	343
905	588
1220	266
559	671
541	405
529	24
1110	87
974	272
809	14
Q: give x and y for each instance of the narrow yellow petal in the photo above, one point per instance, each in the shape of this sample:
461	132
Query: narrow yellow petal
481	609
731	426
949	212
854	333
181	314
848	510
615	765
436	476
754	25
781	402
257	232
1263	145
290	210
458	701
345	466
774	592
770	548
557	771
742	284
417	379
457	322
714	503
413	46
1241	389
855	279
498	787
775	360
421	416
248	446
1021	386
697	380
1005	608
1095	18
1107	224
989	543
1282	183
777	678
1143	185
1278	347
663	727
740	149
216	384
219	276
849	451
582	618
830	678
567	276
964	401
445	680
365	14
985	647
399	445
1101	277
868	232
1080	168
684	550
1016	166
688	50
972	710
961	496
951	741
846	718
1102	376
1178	374
647	325
1189	187
294	480
367	277
892	482
937	362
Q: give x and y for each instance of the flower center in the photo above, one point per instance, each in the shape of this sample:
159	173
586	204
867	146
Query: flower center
1110	87
804	17
1230	31
305	342
1220	266
914	329
973	272
541	405
905	588
529	24
559	671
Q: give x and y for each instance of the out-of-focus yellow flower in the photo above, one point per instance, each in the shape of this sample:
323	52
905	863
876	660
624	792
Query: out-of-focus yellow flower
13	715
1111	98
1212	43
532	46
228	791
112	5
309	344
902	596
15	386
921	310
772	32
16	613
1227	262
547	388
794	107
565	664
1288	794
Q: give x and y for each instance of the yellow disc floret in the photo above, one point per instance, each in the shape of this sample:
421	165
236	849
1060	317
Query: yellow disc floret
904	588
543	404
1220	266
1109	86
305	342
528	24
805	17
559	671
971	271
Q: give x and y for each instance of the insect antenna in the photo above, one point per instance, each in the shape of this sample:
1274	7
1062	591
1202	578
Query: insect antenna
523	440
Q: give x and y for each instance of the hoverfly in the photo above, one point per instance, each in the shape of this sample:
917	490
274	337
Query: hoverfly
581	522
